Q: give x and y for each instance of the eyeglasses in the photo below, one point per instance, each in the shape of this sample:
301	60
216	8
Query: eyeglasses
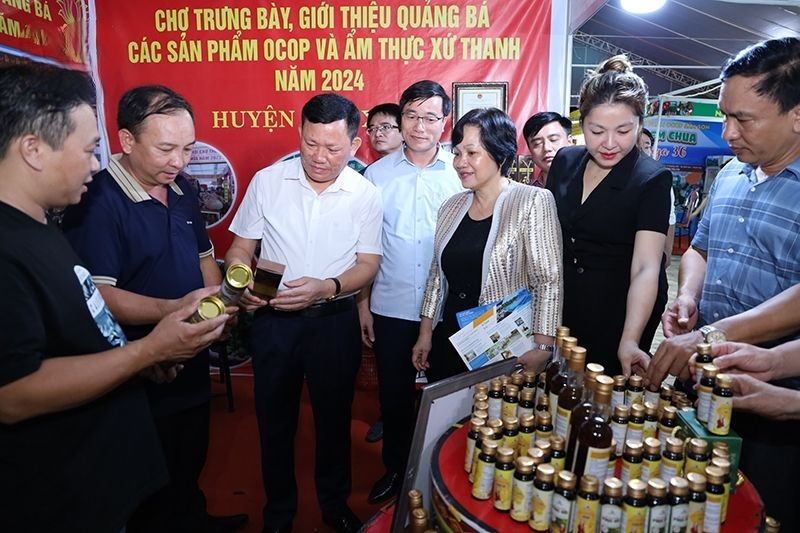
383	128
426	119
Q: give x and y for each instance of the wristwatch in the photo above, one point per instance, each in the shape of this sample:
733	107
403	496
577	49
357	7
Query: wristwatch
544	347
712	335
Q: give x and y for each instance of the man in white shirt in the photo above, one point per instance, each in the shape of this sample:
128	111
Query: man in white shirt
413	183
322	220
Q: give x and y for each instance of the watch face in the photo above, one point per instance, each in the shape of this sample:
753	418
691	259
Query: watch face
713	335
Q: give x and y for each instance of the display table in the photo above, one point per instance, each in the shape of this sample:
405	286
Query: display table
456	510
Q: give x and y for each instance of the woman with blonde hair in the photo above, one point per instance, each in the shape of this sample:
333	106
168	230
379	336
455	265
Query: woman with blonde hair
613	204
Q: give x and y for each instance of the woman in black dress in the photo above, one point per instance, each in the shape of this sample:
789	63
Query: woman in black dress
613	206
492	239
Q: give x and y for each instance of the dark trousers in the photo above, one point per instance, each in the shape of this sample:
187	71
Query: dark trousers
180	506
325	351
394	339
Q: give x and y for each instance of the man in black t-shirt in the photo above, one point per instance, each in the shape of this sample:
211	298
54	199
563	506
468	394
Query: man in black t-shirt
78	449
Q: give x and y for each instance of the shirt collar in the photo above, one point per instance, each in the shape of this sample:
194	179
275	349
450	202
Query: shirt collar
128	183
441	156
346	180
792	170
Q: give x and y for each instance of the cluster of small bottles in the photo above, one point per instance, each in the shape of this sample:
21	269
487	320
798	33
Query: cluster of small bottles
542	448
418	521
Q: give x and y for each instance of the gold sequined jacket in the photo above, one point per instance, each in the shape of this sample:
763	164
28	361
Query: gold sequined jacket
523	250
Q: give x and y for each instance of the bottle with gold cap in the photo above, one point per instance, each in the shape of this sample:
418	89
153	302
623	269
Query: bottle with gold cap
522	489
631	461
657	506
771	525
563	501
666	424
704	390
472	437
542	501
481	388
208	308
526	405
479	398
703	357
544	425
697	501
485	434
593	448
419	521
495	398
650	420
557	454
678	499
725	466
571	394
583	411
484	471
587	505
619	426
719	414
651	459
634	507
635	429
529	378
610	518
554	365
503	474
559	381
651	395
543	404
545	446
696	456
541	386
635	392
527	429
414	500
665	395
508	407
517	379
538	457
510	433
497	427
715	493
672	459
619	390
237	277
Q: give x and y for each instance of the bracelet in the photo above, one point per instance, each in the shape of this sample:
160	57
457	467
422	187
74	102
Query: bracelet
338	289
544	347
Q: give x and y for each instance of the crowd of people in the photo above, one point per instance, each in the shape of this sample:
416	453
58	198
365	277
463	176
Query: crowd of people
103	380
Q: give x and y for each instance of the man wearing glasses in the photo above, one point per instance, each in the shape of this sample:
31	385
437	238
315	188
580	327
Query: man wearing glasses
413	182
383	128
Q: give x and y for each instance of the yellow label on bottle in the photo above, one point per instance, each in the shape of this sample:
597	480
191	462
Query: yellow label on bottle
468	455
484	478
650	470
726	496
558	463
523	443
508	409
713	516
562	422
697	513
541	509
502	489
633	518
521	496
693	465
511	442
586	512
719	416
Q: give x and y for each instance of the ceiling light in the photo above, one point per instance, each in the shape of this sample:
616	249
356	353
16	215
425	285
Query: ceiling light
642	6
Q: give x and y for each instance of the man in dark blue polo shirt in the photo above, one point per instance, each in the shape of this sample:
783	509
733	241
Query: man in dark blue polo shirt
140	232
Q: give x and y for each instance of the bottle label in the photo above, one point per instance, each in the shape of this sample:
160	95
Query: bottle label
475	462
663	434
617	398
558	463
484	477
678	518
522	411
703	403
651	396
508	409
630	471
539	393
586	515
696	516
502	489
521	495
650	429
562	423
633	397
657	518
669	469
495	407
726	496
610	518
561	513
633	518
619	430
553	404
597	463
468	455
511	441
635	432
542	506
693	465
719	415
713	515
541	434
523	443
650	470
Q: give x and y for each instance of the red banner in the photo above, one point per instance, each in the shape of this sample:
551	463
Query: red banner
46	29
247	67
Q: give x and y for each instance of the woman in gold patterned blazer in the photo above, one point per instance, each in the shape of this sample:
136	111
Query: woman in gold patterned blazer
491	240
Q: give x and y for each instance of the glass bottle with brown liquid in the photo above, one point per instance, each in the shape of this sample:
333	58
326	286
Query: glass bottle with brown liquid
571	394
583	411
594	437
559	379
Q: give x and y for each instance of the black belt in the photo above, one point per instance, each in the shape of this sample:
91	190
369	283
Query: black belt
317	310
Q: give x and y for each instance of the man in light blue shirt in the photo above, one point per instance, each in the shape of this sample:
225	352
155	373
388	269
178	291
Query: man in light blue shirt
413	183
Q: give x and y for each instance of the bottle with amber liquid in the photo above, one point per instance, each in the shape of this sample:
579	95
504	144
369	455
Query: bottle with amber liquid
657	506
666	424
419	521
529	378
510	433
631	461
563	501
619	426
587	505
715	493
508	407
571	394
636	423
522	489
485	434
635	392
678	498
526	405
583	411
525	436
611	505
544	425
559	380
697	501
634	507
472	437
619	390
665	395
725	466
541	386
545	446
719	414
543	491
557	454
495	398
672	459
503	476
704	391
651	459
594	437
703	357
543	404
696	456
484	471
554	365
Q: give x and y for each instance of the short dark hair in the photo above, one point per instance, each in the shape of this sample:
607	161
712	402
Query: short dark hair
423	90
778	60
649	135
39	100
498	135
140	102
390	109
542	119
330	107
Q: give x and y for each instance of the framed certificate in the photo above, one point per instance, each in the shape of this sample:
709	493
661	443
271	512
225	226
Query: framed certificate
472	95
